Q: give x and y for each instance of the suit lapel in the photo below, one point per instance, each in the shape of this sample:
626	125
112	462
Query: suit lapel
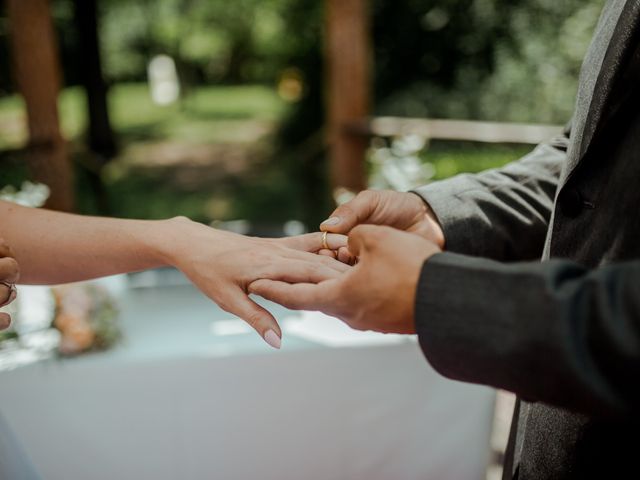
613	76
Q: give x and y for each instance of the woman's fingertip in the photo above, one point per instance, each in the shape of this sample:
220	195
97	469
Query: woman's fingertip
273	339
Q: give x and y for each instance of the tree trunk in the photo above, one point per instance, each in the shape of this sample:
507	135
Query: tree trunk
37	73
101	137
348	63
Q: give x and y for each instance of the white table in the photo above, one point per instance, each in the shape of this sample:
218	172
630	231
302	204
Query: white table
191	395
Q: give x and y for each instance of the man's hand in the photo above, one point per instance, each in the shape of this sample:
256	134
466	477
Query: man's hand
403	211
9	274
377	294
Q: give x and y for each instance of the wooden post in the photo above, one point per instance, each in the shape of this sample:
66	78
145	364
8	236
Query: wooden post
347	61
37	73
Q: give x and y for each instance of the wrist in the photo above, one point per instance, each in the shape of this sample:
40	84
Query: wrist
165	239
435	226
434	230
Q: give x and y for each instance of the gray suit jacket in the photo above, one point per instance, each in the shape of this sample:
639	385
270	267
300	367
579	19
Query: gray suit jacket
564	333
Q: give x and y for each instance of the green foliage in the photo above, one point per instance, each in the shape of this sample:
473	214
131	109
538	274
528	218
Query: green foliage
452	158
217	118
507	60
211	40
481	59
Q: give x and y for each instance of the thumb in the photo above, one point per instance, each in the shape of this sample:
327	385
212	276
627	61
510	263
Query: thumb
352	213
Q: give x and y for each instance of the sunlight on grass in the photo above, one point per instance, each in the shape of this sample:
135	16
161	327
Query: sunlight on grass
451	158
207	114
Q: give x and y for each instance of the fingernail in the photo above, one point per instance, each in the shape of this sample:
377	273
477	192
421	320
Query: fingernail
331	221
273	339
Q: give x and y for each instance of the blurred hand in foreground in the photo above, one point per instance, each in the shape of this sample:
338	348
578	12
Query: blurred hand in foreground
403	211
377	294
9	273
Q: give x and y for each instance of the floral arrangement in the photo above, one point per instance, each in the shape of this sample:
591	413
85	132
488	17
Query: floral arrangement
85	315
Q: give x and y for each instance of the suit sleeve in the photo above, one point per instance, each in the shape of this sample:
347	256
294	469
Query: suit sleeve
553	332
501	214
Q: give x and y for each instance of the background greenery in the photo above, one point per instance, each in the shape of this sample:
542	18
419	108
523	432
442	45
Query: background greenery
235	146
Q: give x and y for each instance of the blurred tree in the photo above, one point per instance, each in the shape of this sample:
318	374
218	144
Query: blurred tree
37	73
101	137
506	60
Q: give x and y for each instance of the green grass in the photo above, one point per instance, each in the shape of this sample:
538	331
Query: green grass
451	158
207	114
230	115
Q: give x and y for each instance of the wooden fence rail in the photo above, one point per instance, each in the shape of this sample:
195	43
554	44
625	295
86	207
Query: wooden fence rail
464	130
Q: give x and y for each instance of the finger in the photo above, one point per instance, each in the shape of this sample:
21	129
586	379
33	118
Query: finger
301	272
9	271
345	256
257	317
313	242
300	296
352	213
5	321
327	253
329	262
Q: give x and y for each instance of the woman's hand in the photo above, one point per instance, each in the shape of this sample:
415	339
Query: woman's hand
9	274
223	265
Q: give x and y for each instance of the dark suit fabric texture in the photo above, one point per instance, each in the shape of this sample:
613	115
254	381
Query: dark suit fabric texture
538	291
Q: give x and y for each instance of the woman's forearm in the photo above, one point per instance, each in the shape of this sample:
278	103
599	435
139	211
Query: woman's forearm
53	247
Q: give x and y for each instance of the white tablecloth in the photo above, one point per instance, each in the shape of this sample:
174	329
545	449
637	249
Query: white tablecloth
192	395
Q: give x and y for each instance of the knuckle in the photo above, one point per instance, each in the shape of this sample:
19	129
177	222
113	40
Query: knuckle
224	304
267	272
345	210
324	260
357	321
253	318
366	195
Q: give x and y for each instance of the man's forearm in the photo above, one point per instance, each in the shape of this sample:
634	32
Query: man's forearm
552	332
53	247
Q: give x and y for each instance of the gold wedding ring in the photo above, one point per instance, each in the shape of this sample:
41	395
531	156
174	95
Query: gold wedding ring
325	245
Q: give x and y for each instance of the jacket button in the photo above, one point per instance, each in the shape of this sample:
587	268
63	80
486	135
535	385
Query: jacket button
571	203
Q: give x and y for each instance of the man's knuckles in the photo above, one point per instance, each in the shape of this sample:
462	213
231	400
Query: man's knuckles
369	237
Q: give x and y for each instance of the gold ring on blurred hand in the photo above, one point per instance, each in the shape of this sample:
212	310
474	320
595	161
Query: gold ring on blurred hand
325	245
